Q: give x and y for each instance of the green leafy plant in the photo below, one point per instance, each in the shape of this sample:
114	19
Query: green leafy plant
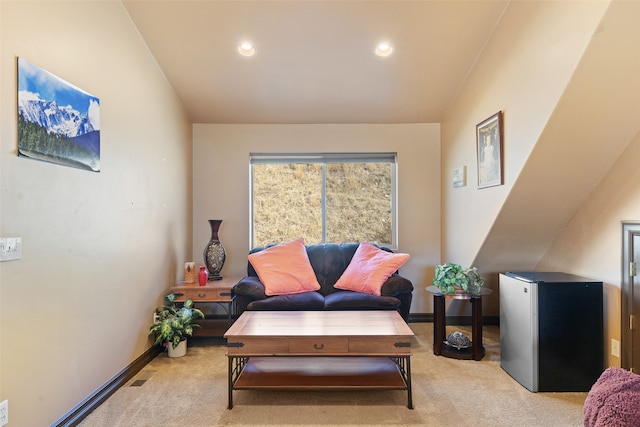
450	276
174	324
474	281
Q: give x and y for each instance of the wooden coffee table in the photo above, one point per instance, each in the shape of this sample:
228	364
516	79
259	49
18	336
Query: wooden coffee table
319	350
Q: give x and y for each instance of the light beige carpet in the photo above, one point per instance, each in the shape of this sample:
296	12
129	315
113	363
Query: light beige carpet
192	391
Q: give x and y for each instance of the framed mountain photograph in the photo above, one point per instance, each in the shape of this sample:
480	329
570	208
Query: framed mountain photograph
57	122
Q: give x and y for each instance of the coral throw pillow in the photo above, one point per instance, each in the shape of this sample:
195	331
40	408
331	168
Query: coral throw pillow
369	268
285	269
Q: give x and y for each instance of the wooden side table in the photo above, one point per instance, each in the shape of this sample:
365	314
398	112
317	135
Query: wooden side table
440	347
214	292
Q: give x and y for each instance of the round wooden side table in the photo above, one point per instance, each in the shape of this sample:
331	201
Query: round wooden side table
440	347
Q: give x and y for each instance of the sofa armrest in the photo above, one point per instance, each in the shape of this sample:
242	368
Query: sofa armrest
396	285
247	290
401	288
251	287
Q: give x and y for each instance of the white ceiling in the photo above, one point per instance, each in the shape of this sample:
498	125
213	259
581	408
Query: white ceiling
314	60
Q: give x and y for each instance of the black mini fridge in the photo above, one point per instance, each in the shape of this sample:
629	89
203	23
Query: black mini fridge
551	330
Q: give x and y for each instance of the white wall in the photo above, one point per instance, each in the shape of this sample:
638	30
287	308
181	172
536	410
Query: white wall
221	184
99	249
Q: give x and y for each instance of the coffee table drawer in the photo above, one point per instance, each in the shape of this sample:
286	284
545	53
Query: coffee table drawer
380	345
248	346
320	345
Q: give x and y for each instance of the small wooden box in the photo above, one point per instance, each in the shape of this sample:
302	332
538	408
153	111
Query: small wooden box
190	272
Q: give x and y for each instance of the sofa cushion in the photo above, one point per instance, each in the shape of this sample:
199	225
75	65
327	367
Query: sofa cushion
348	300
302	301
285	269
369	268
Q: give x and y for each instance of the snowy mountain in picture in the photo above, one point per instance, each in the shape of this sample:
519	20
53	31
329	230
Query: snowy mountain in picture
58	122
61	120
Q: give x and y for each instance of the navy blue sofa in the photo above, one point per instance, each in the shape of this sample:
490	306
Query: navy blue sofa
328	261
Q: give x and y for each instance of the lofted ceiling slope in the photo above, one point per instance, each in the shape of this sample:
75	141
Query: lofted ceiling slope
314	61
315	64
596	118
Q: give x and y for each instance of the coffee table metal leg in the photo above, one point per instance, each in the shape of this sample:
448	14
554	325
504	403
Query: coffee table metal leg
236	366
403	364
408	381
230	384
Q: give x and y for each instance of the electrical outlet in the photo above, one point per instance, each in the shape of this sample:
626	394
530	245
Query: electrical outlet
615	348
4	413
10	248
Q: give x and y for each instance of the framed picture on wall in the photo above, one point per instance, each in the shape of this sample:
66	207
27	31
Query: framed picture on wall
57	121
489	151
460	176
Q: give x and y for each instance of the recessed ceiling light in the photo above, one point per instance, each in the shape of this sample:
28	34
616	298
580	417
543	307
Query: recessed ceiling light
246	49
384	49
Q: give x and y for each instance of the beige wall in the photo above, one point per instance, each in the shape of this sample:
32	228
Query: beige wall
569	89
221	184
591	243
99	249
523	72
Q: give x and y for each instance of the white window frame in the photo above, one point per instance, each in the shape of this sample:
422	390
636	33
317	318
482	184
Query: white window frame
324	159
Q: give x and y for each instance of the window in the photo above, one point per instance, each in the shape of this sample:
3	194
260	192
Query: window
325	198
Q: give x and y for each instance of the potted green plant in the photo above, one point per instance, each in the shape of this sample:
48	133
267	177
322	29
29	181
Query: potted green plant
174	324
451	278
474	281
